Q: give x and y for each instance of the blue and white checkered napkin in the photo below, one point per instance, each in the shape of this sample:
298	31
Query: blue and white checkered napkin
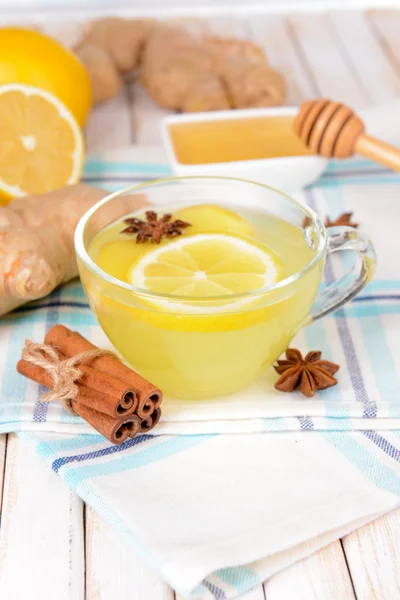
363	337
233	509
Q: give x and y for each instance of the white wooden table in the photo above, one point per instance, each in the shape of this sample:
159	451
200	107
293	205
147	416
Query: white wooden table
52	546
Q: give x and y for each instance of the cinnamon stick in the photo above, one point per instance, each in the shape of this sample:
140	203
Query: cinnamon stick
115	430
92	398
70	343
115	399
150	421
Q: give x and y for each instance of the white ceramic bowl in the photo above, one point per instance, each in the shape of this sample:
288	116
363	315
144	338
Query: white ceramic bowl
288	174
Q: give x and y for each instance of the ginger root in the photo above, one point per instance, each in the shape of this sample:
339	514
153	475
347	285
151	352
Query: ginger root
242	66
37	239
37	242
189	73
122	39
104	75
179	70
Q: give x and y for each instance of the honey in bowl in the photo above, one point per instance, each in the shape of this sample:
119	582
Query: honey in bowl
227	140
197	322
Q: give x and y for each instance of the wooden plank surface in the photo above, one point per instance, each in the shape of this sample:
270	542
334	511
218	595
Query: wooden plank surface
386	25
321	576
373	71
331	71
273	35
3	449
113	570
41	536
110	125
373	556
147	117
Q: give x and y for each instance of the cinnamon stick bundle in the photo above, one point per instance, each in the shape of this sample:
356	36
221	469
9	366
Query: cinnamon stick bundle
112	398
70	343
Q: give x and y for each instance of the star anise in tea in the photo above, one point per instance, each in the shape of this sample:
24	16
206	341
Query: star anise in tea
153	229
307	374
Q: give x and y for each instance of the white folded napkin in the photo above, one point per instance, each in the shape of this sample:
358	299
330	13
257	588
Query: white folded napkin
217	514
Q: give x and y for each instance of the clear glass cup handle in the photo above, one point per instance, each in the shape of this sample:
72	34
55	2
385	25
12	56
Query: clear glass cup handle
334	295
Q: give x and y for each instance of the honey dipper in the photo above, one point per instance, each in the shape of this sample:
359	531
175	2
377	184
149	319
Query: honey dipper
333	130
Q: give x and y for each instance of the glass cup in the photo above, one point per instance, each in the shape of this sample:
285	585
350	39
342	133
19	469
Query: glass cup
203	347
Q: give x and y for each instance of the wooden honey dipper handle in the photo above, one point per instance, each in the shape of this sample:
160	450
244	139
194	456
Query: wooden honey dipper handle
333	130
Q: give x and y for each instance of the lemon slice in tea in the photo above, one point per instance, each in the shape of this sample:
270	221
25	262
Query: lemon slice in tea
211	217
207	265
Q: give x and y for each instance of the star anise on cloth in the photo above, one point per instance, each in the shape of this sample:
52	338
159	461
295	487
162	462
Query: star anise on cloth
343	219
154	228
307	374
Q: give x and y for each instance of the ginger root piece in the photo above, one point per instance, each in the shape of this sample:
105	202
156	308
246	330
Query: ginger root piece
104	75
177	72
37	239
37	242
243	68
235	48
122	39
64	206
190	73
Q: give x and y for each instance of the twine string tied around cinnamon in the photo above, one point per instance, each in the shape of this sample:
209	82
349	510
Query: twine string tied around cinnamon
63	372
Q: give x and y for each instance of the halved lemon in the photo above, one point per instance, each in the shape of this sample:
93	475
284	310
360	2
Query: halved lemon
207	265
41	143
33	58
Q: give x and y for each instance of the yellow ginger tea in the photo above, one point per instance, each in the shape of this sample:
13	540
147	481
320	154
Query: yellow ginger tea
206	313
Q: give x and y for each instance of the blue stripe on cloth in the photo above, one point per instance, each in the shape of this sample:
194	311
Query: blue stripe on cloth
214	590
102	452
41	408
359	311
306	423
52	304
376	297
75	475
382	284
350	310
316	337
353	365
365	180
380	357
365	460
68	444
344	165
241	578
122	180
95	165
383	444
16	387
70	318
357	172
346	340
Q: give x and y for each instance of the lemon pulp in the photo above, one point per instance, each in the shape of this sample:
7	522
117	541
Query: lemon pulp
42	145
206	264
